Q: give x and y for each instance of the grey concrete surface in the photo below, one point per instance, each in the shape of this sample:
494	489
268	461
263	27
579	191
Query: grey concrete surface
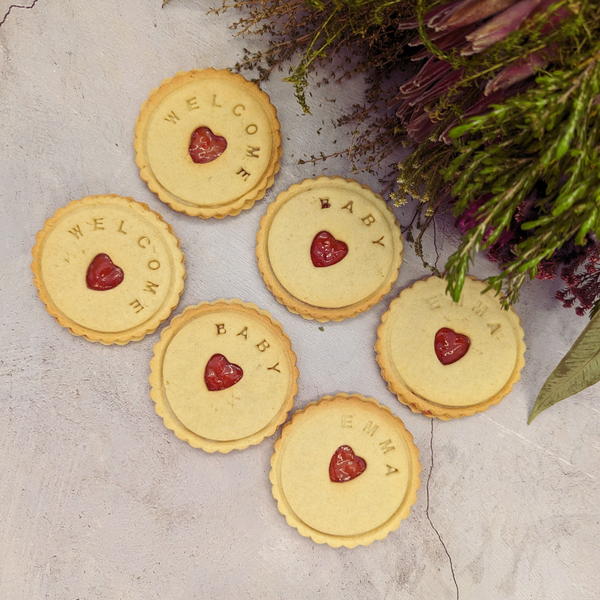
99	500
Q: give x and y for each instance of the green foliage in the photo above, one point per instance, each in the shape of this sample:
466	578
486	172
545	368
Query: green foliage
550	135
579	369
561	44
528	38
545	138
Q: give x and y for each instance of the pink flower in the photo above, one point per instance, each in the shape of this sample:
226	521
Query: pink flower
454	26
499	27
518	72
467	12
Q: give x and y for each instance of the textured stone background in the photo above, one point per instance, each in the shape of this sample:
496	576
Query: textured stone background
99	500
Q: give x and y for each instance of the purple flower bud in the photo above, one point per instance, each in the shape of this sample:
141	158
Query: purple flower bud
499	27
518	72
470	11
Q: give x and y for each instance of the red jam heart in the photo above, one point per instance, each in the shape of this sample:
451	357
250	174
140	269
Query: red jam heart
206	146
450	346
103	274
345	465
220	374
326	250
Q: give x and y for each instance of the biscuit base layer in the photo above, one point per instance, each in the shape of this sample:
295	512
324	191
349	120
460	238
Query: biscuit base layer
237	416
137	240
232	109
349	212
352	512
480	379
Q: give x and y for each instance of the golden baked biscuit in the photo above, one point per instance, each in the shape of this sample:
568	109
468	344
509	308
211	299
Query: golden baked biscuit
223	375
108	268
208	143
329	248
446	359
345	471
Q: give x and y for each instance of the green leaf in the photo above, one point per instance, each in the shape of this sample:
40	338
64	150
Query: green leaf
578	370
533	224
580	238
460	130
566	139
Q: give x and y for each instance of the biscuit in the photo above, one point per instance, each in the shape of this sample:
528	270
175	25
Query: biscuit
208	143
345	471
446	359
108	268
224	375
329	248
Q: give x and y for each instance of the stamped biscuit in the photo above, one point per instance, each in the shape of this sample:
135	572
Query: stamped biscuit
208	143
329	248
446	359
108	268
224	375
345	471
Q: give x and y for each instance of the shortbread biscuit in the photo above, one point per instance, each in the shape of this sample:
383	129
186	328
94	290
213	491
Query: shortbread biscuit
224	375
208	143
329	248
108	268
446	359
345	471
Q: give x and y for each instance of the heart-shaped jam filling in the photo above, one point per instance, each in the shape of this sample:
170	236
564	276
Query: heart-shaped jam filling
325	250
206	146
220	374
450	346
345	465
103	274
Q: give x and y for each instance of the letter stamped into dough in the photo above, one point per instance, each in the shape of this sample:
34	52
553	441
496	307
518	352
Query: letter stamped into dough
370	428
172	118
387	446
262	346
76	231
479	308
150	287
440	299
368	220
192	103
137	305
220	328
493	327
347	421
243	173
435	301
